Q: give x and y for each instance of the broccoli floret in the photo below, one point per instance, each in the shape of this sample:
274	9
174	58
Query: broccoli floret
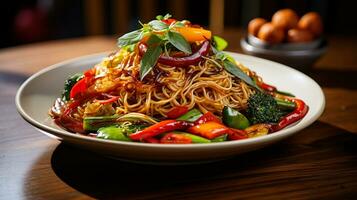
262	108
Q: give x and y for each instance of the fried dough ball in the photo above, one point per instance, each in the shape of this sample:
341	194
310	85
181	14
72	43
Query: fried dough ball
285	19
311	22
270	33
254	26
297	35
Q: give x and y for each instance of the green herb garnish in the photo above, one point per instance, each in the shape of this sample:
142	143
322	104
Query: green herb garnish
161	35
236	71
130	38
230	65
178	41
149	59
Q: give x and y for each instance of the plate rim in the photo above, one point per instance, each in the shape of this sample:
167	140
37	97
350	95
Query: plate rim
286	132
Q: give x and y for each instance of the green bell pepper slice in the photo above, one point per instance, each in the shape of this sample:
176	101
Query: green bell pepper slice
234	118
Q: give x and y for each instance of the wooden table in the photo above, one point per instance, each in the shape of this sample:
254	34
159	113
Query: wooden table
319	162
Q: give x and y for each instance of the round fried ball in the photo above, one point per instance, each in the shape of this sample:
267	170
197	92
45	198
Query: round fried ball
254	26
270	33
297	35
312	22
285	19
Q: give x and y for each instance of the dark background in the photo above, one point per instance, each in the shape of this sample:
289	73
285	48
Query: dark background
30	21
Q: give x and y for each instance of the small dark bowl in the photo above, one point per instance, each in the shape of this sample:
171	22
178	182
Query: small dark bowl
300	56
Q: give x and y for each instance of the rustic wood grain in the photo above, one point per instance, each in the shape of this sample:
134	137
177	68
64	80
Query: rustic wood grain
29	59
320	162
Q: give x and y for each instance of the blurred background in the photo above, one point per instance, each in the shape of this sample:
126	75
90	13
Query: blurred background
32	21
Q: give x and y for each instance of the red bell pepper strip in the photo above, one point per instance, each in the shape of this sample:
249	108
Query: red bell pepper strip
209	130
299	112
172	138
177	112
161	127
207	117
81	86
90	72
236	134
193	59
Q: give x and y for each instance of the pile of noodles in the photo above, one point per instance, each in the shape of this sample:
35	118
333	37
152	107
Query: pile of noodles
206	86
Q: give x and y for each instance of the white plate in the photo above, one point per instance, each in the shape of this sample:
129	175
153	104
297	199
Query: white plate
37	94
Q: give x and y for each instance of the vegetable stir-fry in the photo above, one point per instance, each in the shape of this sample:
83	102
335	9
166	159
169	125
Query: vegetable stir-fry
171	83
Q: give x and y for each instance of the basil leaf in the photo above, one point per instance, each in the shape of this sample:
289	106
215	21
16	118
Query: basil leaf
220	55
130	38
220	43
236	71
158	25
153	39
178	41
149	60
230	58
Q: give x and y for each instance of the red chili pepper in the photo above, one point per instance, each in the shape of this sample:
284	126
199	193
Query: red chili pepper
180	61
172	138
267	87
67	121
169	21
264	86
209	130
236	134
110	100
177	112
299	112
81	86
207	117
161	127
